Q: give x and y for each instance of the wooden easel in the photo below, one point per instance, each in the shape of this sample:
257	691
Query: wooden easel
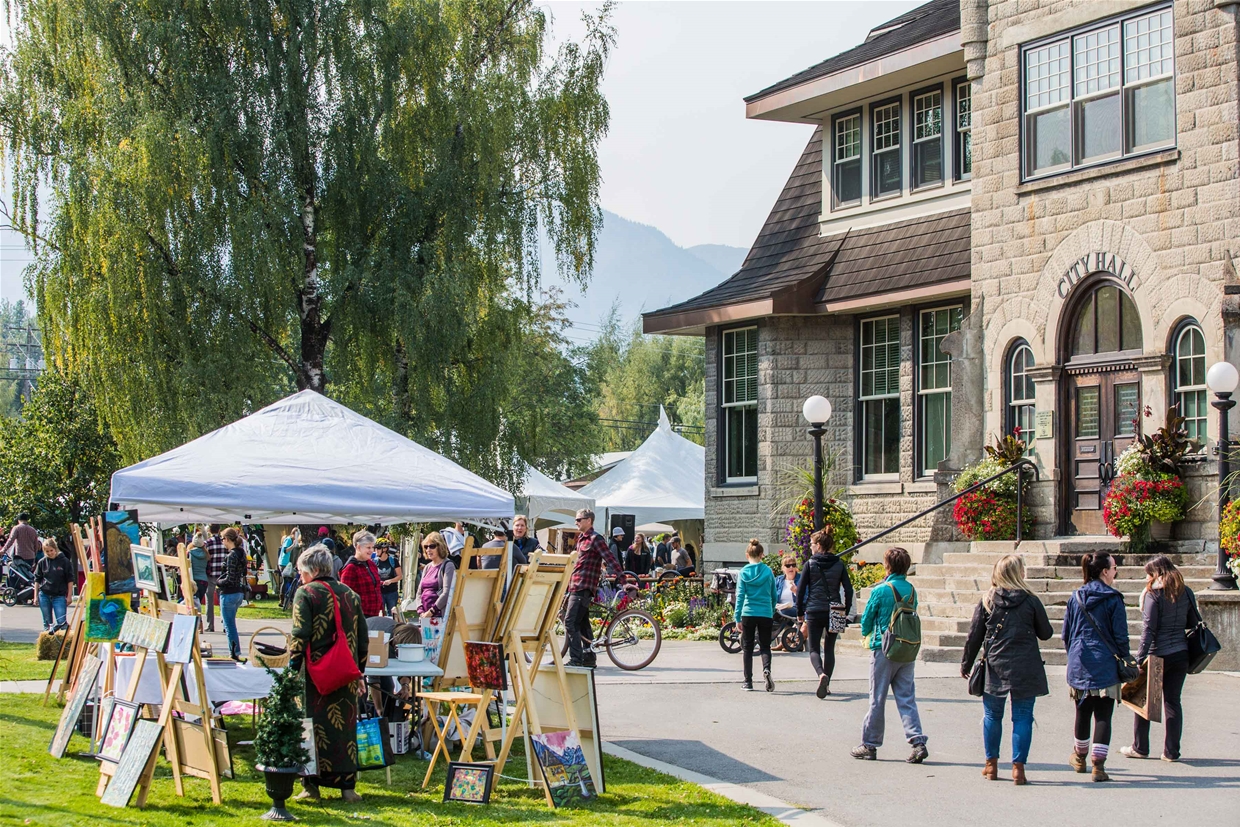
74	642
171	699
525	627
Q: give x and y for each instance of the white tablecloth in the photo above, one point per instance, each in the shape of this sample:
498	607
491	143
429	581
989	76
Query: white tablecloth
227	682
404	669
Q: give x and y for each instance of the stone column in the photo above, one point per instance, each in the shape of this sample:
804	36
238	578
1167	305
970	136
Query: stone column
1044	494
1154	392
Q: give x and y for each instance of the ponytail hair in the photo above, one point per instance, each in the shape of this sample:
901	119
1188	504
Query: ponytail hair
824	538
1094	564
755	551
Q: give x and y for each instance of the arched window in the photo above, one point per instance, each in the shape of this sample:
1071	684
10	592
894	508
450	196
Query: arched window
1108	322
1020	392
1189	374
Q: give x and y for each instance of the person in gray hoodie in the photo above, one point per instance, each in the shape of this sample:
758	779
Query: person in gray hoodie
755	612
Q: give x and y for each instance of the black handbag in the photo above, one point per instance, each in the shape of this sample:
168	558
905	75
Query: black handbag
1128	668
1202	644
977	676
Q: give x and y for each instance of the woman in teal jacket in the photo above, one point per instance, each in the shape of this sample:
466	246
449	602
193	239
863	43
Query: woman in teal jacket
755	611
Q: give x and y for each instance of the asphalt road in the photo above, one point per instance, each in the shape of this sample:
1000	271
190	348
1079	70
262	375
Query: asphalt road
688	710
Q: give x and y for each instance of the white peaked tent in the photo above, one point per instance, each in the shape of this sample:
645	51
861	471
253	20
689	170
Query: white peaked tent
662	481
541	494
305	459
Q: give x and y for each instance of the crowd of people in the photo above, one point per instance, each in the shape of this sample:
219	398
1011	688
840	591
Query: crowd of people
1001	660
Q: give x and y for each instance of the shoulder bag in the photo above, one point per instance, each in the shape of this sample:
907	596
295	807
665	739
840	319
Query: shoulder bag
1128	668
337	666
977	677
837	621
1202	644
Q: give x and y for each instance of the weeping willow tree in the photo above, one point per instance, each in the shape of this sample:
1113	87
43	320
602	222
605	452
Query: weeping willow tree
246	197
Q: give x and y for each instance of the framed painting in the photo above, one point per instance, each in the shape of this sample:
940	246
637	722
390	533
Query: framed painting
564	768
145	572
105	613
469	783
116	730
485	665
120	533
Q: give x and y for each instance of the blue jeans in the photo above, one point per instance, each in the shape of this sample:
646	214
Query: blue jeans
229	603
1022	726
898	677
48	605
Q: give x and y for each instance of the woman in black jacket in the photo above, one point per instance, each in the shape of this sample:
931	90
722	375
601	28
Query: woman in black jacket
1007	625
1168	608
822	580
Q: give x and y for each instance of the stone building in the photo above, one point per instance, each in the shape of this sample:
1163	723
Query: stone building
1010	214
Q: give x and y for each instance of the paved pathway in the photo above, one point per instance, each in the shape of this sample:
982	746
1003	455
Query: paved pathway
688	710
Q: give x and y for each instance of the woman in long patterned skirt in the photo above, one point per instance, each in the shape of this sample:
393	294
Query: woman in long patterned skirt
314	631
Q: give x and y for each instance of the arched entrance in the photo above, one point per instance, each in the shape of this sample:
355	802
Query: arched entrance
1101	396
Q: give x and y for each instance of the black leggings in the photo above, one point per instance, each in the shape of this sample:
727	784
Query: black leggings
761	626
822	659
1175	670
1098	711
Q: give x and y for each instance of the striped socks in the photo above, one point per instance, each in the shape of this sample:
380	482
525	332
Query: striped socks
1082	747
1100	752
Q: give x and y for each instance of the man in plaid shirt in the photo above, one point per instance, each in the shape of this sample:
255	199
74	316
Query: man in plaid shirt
592	553
217	555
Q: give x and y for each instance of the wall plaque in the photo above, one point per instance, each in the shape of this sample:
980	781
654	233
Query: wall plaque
1044	425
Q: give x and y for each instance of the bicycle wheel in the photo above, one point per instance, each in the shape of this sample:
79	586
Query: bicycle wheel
633	640
792	639
730	638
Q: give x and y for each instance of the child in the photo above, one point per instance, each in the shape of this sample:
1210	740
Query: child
755	610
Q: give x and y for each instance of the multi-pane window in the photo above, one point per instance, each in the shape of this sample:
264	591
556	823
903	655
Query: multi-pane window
1108	322
886	177
928	138
934	386
879	396
964	129
847	159
1021	404
1099	94
740	404
1190	381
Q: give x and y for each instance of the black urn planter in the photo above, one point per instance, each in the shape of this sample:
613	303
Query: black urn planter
279	789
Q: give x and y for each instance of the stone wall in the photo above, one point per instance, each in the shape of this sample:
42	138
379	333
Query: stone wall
1173	216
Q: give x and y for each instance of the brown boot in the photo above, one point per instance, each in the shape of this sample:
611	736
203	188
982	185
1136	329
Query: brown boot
1018	775
991	771
1100	772
1077	762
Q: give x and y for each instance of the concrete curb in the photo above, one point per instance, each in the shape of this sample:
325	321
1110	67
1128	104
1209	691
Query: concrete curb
781	810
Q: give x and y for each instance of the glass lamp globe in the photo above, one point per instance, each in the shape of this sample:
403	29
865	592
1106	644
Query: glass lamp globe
816	410
1222	377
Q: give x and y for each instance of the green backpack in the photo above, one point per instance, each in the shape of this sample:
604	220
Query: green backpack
902	640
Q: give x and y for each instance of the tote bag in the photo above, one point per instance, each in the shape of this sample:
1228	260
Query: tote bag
336	667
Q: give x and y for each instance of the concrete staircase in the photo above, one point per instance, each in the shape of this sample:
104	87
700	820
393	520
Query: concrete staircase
950	584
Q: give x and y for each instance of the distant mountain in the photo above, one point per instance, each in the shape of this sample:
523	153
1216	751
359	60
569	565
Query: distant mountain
723	258
643	269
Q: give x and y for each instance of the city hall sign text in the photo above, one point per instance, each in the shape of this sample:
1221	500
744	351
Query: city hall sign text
1091	263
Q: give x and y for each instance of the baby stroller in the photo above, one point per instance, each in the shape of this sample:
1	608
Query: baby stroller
18	581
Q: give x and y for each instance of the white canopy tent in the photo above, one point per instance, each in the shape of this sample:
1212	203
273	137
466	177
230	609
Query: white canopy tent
542	495
663	481
305	459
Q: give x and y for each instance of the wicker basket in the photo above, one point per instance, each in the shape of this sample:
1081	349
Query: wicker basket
273	661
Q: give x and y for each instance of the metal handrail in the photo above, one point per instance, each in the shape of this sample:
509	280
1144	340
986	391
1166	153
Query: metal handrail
1018	467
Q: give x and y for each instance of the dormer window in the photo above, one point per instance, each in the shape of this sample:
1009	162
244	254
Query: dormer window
928	138
886	177
846	177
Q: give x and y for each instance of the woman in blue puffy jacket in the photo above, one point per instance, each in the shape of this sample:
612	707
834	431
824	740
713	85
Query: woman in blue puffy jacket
1093	671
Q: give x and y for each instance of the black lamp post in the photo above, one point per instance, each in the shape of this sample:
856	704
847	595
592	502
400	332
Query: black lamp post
1222	378
817	410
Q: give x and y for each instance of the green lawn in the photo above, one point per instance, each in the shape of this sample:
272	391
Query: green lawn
17	663
266	609
38	789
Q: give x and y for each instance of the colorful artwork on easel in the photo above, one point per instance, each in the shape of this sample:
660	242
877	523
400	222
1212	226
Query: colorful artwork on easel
134	760
145	631
117	728
432	637
181	643
104	612
120	531
485	664
564	768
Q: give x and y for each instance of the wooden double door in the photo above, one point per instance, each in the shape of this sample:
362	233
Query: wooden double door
1104	410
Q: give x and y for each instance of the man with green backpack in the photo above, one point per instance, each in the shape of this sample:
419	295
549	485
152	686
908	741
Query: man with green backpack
892	629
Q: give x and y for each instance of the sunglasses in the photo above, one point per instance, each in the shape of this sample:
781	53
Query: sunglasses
790	567
429	546
581	519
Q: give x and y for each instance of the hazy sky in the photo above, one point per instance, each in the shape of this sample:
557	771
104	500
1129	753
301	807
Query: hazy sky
680	154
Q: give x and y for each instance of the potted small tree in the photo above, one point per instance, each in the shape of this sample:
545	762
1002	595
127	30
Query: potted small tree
278	749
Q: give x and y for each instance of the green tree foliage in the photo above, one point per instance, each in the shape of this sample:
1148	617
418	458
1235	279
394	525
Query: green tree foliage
635	374
56	461
253	197
277	744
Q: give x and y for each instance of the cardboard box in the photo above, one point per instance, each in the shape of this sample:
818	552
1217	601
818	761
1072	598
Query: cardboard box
378	652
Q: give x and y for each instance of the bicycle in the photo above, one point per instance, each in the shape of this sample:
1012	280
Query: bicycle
630	636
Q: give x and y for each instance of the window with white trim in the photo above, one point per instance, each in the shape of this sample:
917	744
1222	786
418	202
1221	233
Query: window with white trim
739	403
1099	94
846	177
964	130
934	386
887	173
1021	401
1190	381
928	138
878	398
